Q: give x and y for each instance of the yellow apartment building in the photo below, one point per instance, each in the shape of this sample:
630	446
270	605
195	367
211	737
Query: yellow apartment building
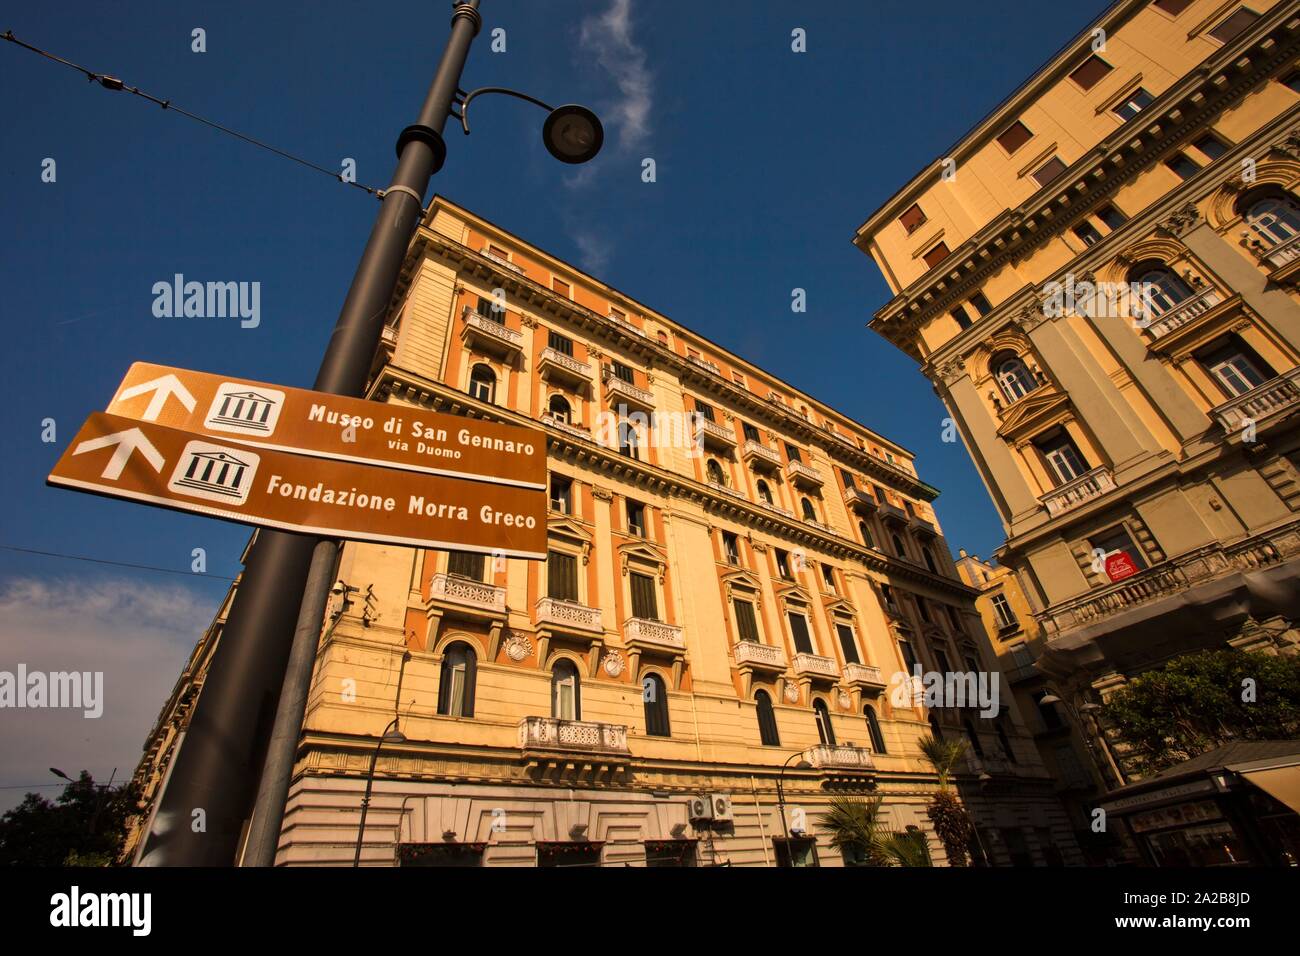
1099	280
722	611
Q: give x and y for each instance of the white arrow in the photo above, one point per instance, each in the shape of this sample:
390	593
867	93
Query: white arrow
169	384
127	442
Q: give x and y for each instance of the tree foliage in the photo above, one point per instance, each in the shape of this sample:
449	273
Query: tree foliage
952	824
1201	701
854	826
85	826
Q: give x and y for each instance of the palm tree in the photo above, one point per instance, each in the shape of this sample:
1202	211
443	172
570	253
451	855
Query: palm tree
952	824
855	830
908	849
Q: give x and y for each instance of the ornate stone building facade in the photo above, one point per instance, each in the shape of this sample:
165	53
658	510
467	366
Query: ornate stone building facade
1099	280
722	609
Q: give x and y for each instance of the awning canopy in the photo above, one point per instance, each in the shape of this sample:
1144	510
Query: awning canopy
1280	783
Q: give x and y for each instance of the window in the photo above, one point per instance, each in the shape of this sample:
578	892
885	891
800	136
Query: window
824	729
465	564
1013	377
731	547
799	631
560	286
873	728
561	495
865	532
561	343
1049	171
628	441
767	731
1133	104
923	607
828	578
705	410
663	338
981	303
847	644
792	453
456	683
954	618
623	373
1161	289
566	691
963	319
881	496
1234	25
1111	217
1173	7
645	605
912	219
1014	136
1117	541
491	309
1275	219
909	655
560	409
764	492
936	255
746	623
1087	232
848	479
1182	167
898	546
783	565
655	696
1002	608
909	508
888	594
749	431
809	514
1211	146
1089	73
483	384
715	472
1062	456
928	555
636	518
561	576
1235	366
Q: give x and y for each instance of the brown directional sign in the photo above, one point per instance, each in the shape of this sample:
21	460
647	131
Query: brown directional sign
237	410
142	461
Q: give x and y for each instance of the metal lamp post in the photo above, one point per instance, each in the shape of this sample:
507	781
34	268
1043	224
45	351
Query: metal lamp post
391	735
780	797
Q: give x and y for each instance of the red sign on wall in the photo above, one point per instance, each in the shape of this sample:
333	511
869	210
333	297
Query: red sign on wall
1120	566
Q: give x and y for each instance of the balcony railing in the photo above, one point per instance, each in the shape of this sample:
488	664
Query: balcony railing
1020	664
776	509
466	592
763	656
584	736
1283	253
575	430
1182	313
802	474
840	757
568	614
704	364
1072	494
815	666
638	630
616	387
556	361
760	454
864	674
712	432
1275	395
492	330
625	324
501	261
727	490
861	500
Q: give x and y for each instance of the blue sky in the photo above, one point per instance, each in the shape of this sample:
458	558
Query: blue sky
766	160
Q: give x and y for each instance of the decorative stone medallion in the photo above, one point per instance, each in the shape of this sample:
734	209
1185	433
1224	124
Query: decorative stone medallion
792	693
613	663
518	647
846	701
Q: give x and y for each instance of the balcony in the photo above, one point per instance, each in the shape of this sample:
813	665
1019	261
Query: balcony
625	325
1074	494
760	456
811	665
501	261
842	757
577	431
1274	396
490	336
461	592
573	751
1161	581
704	364
554	365
569	616
892	513
866	676
776	509
1019	664
625	393
860	501
763	657
715	435
923	527
655	635
726	490
1284	253
804	476
1180	314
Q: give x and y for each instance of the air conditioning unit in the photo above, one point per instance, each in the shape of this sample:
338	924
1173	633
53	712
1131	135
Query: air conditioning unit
721	807
699	808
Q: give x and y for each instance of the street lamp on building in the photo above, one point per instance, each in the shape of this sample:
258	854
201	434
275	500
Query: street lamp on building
780	791
391	735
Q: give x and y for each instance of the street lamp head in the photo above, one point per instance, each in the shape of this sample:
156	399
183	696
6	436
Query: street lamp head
394	737
803	765
59	773
573	134
1049	699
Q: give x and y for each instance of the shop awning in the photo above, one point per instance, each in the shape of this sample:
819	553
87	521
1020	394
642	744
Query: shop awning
1280	783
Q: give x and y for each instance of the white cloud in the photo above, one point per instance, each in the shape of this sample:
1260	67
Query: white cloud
594	252
139	634
607	38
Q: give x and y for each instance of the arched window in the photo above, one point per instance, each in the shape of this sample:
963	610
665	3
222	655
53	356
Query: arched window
654	695
1276	219
766	720
863	530
566	691
824	729
873	728
560	409
898	546
1161	288
929	560
628	440
764	492
483	383
456	684
1013	375
715	473
809	514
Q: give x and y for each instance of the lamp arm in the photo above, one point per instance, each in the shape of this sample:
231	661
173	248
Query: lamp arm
464	106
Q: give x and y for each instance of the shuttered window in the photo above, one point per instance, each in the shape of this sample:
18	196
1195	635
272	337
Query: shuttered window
561	576
623	373
1088	73
1049	171
799	629
465	564
562	344
767	731
655	697
912	219
644	603
1014	136
745	621
491	309
846	642
936	255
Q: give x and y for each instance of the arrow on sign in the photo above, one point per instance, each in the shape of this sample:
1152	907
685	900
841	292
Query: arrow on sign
127	442
162	388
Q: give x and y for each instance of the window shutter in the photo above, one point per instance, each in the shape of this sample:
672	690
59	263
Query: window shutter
561	576
745	621
466	564
767	720
644	604
799	628
846	642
